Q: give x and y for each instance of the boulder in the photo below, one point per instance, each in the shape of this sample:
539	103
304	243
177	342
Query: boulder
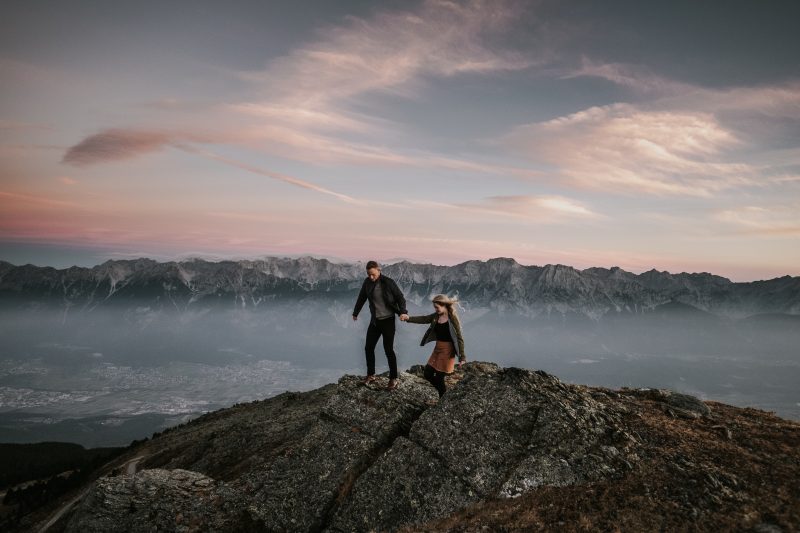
301	489
499	432
154	500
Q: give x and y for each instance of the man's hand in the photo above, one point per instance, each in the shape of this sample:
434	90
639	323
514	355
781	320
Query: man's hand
355	317
403	317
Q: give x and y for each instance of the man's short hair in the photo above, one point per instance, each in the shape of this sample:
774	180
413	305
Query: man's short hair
373	264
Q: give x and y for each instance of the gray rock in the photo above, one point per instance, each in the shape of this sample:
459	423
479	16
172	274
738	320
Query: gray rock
300	490
154	500
407	485
379	413
683	405
378	460
499	432
482	425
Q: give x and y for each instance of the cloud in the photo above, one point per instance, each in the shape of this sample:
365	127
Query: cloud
627	149
392	50
635	77
310	147
120	144
540	208
775	220
309	95
115	145
269	174
684	139
305	104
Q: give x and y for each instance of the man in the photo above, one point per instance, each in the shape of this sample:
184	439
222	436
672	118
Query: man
385	300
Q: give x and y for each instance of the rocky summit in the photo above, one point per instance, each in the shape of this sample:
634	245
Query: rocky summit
505	449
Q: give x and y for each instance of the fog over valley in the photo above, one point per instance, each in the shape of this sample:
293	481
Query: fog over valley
106	354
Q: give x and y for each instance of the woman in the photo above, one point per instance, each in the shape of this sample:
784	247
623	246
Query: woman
445	328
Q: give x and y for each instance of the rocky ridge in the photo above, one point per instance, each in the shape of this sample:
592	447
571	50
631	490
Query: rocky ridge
349	457
499	284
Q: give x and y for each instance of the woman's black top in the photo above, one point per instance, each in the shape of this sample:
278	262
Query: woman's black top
443	332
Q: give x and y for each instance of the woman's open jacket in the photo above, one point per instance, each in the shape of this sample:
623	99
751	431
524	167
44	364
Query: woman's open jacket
430	334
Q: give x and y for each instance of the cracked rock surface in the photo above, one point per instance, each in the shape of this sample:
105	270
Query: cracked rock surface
350	457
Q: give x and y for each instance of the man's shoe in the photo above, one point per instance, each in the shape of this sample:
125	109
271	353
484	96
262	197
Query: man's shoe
392	384
367	380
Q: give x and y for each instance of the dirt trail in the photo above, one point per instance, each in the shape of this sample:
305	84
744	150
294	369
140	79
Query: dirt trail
130	469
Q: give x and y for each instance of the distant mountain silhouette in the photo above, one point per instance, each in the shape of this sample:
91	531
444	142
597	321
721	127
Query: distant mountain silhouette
500	284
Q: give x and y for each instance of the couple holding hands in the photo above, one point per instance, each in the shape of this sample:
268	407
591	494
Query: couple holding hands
386	300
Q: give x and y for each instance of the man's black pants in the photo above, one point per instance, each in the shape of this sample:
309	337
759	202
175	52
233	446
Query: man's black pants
375	330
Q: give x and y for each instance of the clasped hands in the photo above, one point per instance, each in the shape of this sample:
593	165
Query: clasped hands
403	317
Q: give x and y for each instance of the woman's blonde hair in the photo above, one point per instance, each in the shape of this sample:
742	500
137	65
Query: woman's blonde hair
449	303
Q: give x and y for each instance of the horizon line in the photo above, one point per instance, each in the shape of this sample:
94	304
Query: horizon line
210	258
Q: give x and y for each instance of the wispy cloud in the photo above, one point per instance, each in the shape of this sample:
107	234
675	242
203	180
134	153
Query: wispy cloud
775	220
307	109
539	208
120	144
636	77
681	139
308	95
305	105
268	173
626	149
392	51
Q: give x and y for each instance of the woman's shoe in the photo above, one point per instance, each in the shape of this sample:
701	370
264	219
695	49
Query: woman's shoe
392	384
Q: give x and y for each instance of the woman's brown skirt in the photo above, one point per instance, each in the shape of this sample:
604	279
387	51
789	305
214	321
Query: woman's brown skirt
443	357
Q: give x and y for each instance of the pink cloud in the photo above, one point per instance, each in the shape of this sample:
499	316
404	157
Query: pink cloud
773	221
636	77
627	149
269	174
686	140
310	91
391	50
540	208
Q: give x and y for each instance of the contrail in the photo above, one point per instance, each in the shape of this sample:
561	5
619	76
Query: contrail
274	175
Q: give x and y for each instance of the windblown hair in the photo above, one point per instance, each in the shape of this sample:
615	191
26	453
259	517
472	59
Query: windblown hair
449	303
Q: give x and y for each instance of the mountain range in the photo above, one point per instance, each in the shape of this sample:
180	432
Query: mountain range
499	284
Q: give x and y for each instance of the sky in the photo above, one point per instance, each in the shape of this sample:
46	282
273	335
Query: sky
622	133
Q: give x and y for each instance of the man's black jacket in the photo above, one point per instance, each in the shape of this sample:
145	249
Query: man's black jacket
391	293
